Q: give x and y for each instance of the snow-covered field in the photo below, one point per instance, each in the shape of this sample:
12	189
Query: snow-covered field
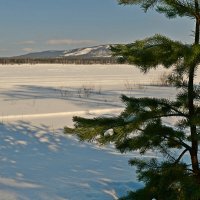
37	161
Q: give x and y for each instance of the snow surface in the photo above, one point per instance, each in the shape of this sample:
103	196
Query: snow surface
37	161
80	52
98	51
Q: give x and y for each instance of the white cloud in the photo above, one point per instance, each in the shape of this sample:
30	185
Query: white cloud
27	49
70	42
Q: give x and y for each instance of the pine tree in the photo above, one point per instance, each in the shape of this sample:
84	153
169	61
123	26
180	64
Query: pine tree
140	126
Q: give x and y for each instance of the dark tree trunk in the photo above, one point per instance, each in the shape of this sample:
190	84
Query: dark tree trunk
193	128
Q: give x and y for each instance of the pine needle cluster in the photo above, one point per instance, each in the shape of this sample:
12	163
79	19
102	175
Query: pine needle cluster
140	127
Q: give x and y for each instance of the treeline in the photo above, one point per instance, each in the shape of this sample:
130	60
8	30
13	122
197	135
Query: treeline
106	60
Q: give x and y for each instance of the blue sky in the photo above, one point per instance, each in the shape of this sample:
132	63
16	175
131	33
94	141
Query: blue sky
38	25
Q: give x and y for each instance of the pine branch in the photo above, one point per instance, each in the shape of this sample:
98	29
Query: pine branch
180	156
174	109
173	8
152	52
180	142
167	153
167	115
157	105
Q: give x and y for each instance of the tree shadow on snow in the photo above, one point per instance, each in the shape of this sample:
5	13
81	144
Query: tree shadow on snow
37	162
83	95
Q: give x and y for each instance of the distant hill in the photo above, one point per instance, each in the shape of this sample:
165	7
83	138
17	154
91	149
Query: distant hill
102	51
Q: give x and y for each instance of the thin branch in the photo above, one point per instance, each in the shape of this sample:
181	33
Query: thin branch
191	171
181	155
180	142
174	109
166	152
166	115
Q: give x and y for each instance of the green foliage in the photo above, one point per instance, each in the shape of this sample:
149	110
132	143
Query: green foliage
171	8
159	50
166	181
141	116
141	125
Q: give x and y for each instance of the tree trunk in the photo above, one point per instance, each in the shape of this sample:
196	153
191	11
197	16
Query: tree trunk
193	128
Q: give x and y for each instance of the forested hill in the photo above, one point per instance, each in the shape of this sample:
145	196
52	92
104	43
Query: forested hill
88	55
87	52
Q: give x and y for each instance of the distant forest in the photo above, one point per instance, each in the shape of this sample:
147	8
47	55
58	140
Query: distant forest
95	60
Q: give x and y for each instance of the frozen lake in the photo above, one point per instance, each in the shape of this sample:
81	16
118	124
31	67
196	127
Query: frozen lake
37	161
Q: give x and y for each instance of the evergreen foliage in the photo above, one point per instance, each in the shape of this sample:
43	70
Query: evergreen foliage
140	126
